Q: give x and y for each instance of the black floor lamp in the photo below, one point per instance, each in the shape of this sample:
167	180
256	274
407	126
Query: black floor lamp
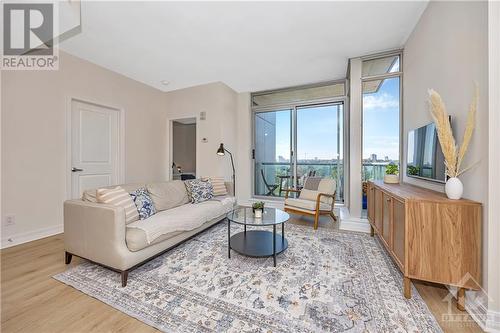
221	152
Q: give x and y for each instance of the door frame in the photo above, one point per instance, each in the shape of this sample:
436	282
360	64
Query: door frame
170	124
120	168
343	100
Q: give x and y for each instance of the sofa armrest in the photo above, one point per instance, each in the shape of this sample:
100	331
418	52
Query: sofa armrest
95	231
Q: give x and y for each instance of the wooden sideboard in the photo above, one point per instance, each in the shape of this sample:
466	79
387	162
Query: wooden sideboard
430	237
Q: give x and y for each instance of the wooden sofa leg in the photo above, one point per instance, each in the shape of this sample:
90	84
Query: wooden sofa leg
124	278
67	257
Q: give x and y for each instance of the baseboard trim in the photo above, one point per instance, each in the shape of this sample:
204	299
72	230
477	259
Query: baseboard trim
24	237
352	223
357	225
493	322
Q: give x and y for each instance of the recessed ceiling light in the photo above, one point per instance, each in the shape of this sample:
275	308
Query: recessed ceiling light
165	82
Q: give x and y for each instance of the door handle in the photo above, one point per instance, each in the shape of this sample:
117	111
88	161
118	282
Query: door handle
76	169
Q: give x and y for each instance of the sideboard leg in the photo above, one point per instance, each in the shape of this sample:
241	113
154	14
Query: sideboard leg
407	287
461	299
372	231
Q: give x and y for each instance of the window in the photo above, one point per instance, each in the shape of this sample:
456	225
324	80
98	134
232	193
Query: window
381	87
298	95
301	137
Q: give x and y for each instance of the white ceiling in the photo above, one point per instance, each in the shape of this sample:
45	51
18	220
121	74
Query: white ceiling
250	46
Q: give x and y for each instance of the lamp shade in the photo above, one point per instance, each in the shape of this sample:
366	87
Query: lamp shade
220	151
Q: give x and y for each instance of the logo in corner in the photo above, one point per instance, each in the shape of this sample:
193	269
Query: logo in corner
28	37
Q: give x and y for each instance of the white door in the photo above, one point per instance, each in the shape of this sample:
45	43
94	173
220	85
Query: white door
94	147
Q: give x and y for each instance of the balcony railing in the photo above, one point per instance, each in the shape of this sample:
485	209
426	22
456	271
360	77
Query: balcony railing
279	175
373	170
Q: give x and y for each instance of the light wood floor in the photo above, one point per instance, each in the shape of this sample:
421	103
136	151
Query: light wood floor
31	301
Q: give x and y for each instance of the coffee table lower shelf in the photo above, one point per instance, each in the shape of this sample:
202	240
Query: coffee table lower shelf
258	244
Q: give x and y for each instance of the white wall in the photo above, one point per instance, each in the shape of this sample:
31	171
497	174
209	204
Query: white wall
493	211
34	105
220	104
244	179
355	139
448	52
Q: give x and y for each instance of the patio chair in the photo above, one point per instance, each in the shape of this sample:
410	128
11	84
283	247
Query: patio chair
270	187
316	198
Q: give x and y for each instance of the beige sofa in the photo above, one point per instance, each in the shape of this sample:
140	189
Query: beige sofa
98	232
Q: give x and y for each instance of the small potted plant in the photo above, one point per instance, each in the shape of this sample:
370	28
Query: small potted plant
258	209
391	174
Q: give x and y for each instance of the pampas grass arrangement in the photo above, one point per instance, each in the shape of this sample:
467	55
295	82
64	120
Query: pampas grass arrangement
452	154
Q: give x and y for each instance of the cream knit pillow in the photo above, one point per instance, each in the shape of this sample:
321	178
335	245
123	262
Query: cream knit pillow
119	197
218	184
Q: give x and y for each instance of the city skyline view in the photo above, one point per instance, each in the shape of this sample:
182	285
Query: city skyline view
317	128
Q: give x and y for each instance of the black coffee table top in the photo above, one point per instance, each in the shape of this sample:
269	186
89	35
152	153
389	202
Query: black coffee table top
270	216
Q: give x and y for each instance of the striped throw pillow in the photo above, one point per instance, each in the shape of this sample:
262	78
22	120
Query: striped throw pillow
119	197
218	184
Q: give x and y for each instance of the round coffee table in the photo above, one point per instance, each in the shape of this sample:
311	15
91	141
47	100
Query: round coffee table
257	243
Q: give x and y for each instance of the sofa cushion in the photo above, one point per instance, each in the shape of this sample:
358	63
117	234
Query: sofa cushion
168	195
306	204
143	202
119	197
179	219
199	190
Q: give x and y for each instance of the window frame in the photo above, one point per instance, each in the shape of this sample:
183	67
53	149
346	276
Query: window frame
398	74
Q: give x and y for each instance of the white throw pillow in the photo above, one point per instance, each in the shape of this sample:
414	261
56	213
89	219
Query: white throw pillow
218	185
119	197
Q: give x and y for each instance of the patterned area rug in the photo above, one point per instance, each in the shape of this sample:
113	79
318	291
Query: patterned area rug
326	281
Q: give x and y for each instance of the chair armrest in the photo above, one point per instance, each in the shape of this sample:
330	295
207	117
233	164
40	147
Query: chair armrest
290	190
318	199
95	231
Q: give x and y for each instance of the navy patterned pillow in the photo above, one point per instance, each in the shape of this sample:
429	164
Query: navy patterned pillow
144	203
199	190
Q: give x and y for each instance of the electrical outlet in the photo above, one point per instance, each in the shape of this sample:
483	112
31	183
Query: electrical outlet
10	220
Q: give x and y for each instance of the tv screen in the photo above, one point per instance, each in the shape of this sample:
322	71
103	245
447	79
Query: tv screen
425	158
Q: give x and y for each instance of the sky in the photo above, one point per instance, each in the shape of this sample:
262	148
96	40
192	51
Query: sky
317	127
381	121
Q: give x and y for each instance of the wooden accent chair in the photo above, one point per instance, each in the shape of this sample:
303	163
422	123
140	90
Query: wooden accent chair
316	198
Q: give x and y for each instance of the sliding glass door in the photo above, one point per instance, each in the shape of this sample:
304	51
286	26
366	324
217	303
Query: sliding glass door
273	147
293	143
320	143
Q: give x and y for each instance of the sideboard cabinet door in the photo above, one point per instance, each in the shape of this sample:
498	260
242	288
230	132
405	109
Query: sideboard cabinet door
386	224
378	209
398	227
371	202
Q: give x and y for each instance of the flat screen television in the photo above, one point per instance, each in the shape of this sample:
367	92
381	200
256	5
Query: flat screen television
425	158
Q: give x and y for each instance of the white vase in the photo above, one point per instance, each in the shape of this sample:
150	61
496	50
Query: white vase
454	188
258	213
391	179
